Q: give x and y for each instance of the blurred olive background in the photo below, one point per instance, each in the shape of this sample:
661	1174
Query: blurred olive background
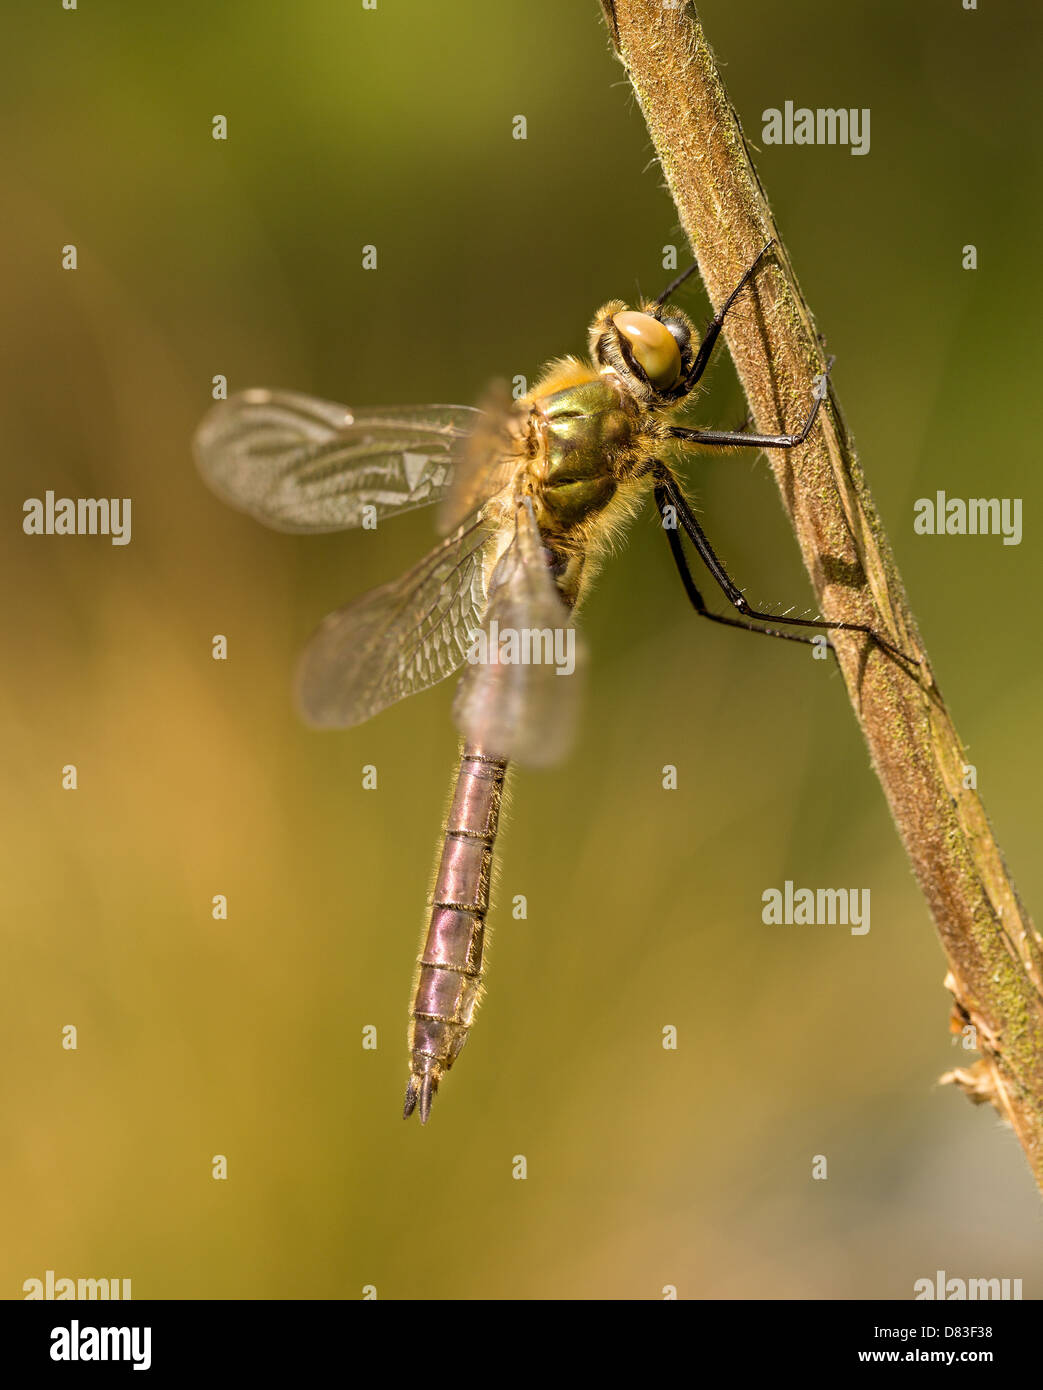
646	1167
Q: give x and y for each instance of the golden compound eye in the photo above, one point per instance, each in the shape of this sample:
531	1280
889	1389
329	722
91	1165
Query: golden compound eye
654	347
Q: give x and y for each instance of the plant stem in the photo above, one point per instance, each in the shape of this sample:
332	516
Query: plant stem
995	954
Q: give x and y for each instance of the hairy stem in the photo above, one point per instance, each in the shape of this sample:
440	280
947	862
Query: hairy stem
995	954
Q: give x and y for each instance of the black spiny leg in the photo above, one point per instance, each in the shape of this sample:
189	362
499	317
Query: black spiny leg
667	491
731	439
662	501
702	357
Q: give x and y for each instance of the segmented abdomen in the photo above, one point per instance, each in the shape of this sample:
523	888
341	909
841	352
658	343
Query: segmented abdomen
450	966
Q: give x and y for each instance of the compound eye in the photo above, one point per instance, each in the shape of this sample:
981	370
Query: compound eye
653	345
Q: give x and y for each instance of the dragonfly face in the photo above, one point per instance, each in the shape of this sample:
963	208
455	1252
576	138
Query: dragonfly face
650	351
528	494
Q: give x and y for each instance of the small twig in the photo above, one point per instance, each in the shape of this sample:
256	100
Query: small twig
995	954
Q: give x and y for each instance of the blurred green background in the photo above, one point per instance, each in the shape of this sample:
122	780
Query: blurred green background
646	1167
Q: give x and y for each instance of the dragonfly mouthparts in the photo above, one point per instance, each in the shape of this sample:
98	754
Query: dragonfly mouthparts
420	1088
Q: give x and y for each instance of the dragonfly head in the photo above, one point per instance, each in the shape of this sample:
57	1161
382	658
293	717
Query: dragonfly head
649	349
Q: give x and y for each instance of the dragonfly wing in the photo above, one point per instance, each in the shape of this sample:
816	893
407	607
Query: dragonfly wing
398	639
301	464
520	693
488	457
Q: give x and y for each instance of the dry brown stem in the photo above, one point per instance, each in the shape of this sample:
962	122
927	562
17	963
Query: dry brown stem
995	955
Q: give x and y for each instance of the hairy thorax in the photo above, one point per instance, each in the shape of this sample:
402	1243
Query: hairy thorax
587	438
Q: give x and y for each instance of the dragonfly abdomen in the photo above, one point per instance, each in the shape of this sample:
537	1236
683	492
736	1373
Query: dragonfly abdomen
450	966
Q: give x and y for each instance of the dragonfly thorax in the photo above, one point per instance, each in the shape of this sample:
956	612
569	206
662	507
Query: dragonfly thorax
586	436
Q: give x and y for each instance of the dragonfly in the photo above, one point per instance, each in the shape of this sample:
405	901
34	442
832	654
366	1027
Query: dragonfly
528	496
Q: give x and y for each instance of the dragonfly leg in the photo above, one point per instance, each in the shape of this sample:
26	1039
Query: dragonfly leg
668	493
706	347
722	439
695	597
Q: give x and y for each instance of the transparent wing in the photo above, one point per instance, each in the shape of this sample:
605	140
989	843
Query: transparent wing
487	458
301	464
398	639
519	695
